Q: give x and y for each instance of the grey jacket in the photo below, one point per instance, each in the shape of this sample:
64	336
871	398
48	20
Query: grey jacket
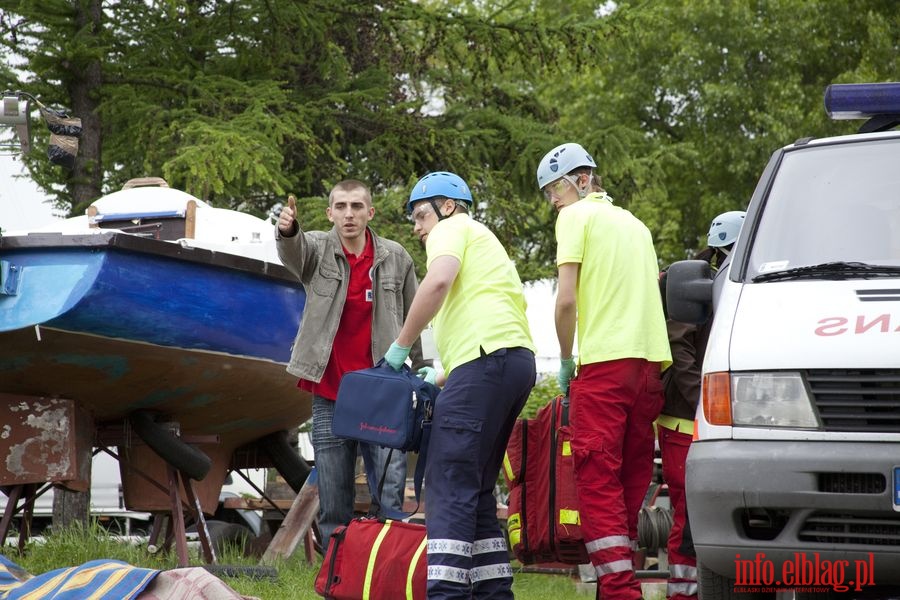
318	261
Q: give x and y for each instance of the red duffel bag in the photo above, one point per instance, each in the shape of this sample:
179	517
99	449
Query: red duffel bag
543	520
375	559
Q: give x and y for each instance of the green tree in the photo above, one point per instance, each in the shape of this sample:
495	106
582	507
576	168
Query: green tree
685	110
241	102
63	42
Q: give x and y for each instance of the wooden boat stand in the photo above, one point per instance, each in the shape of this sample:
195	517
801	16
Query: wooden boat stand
28	493
295	527
175	533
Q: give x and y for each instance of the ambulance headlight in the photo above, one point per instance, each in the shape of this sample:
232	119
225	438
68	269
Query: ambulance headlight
772	400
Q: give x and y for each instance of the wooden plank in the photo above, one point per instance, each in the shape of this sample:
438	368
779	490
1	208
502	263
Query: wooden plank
257	503
190	219
296	524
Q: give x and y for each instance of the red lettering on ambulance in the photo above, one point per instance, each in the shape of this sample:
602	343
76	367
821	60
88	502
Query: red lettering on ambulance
831	323
862	326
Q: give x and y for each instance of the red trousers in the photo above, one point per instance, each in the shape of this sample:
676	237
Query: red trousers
682	583
614	405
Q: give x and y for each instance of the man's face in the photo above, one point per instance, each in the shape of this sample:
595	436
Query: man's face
350	212
562	192
424	218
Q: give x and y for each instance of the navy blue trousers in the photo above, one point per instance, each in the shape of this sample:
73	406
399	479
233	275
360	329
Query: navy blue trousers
474	415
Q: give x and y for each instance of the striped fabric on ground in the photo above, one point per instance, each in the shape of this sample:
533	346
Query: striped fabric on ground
94	580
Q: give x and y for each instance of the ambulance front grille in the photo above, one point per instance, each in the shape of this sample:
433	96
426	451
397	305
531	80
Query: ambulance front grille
852	483
864	400
832	528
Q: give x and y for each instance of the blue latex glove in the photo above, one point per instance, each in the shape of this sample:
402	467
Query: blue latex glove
566	371
428	374
396	355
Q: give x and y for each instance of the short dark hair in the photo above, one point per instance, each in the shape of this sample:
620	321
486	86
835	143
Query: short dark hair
350	185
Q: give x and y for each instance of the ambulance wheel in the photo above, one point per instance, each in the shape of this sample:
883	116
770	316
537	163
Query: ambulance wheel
718	587
286	458
187	459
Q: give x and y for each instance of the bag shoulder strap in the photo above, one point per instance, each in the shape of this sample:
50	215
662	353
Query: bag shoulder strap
418	479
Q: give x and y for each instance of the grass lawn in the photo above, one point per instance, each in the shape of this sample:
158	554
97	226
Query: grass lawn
294	577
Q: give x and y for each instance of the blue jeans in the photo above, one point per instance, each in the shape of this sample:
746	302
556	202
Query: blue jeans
336	466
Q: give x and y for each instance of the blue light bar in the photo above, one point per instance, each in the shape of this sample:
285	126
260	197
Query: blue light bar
862	100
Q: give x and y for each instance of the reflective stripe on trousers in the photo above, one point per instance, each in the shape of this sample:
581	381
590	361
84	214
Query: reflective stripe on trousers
682	584
677	590
608	542
491	569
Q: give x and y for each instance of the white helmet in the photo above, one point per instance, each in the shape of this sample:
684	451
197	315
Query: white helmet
562	160
725	228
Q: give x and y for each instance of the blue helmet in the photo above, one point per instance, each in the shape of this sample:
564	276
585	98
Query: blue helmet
562	160
725	228
439	184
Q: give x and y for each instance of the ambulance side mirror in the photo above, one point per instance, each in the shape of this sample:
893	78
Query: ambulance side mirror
689	291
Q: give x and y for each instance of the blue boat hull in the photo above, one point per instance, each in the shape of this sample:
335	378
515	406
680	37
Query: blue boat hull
118	324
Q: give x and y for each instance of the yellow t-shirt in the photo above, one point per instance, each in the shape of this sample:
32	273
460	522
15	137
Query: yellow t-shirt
485	307
620	311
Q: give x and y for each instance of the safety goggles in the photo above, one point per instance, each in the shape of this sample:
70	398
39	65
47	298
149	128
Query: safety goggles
420	213
558	187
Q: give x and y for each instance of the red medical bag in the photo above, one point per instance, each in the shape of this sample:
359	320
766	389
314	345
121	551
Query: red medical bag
375	559
543	520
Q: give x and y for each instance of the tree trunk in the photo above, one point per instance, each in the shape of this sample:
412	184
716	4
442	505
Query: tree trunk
85	184
70	508
73	507
85	181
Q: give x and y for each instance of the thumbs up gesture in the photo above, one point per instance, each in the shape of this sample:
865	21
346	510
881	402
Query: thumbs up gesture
287	216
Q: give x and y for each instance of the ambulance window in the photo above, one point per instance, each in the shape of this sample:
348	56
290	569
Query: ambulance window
832	203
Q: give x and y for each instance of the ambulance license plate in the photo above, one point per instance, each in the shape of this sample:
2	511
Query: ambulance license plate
897	489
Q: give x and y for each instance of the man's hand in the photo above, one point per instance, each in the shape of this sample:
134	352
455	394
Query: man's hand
287	216
428	374
396	355
566	371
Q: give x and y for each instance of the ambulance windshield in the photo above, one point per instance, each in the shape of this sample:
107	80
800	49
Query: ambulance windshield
834	209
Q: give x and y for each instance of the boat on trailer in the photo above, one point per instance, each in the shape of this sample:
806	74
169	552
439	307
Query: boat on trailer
157	327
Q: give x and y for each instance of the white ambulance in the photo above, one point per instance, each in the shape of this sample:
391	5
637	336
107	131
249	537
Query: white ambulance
793	480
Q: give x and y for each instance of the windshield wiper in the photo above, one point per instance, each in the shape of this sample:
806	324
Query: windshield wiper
831	270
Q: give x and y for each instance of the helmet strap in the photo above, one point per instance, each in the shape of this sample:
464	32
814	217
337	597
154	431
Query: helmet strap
583	192
437	209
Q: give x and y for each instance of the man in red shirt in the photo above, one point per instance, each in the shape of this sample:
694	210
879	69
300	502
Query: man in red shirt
359	287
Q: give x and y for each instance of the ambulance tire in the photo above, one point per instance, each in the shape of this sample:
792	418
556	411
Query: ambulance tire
187	459
718	587
286	459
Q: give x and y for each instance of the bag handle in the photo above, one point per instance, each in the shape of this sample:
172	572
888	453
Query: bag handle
338	537
418	478
404	368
